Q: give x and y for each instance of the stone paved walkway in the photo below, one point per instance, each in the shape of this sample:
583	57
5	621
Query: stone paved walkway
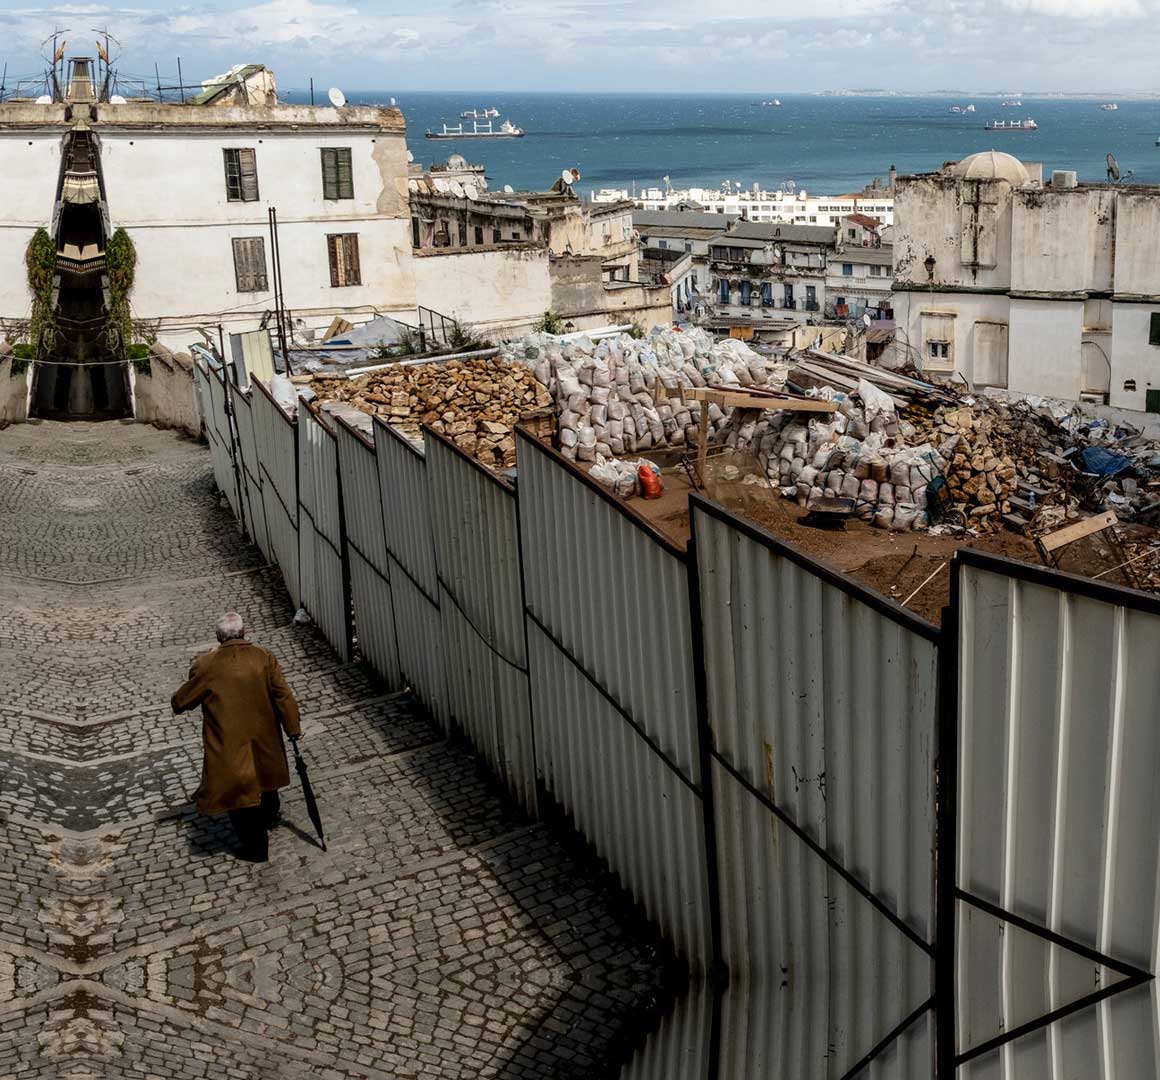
442	934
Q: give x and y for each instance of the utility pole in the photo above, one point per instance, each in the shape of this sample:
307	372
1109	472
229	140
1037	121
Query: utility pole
180	81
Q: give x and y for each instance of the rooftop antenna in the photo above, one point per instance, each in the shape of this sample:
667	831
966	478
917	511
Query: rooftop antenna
337	97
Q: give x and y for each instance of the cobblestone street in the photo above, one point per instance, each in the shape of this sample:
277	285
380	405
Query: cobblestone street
441	935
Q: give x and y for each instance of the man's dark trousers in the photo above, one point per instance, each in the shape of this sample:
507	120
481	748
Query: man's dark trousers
252	825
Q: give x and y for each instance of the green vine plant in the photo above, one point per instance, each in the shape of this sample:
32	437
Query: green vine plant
549	323
120	268
40	260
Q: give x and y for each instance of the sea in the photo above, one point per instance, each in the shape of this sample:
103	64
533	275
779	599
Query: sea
822	143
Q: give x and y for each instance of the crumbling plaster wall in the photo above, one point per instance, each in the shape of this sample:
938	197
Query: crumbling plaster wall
166	396
13	394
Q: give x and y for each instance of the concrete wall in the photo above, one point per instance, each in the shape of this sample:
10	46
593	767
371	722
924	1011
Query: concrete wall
31	170
13	394
185	270
580	296
167	397
966	309
1061	241
497	291
1133	359
932	214
1044	355
1137	241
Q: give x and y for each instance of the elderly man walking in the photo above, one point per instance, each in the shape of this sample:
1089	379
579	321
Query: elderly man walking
245	706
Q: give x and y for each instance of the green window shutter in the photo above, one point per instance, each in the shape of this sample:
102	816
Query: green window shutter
329	173
332	251
345	174
248	175
1152	400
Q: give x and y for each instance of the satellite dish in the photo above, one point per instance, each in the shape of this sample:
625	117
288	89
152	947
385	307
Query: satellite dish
44	99
337	97
1113	168
470	192
457	189
116	99
410	156
393	103
508	189
866	320
566	176
441	184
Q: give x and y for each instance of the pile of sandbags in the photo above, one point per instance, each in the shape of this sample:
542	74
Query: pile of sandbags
476	403
622	394
861	452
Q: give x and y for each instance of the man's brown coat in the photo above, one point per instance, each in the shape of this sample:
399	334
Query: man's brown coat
245	706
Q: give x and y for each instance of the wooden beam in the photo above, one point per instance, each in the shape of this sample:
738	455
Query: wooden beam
752	399
1078	530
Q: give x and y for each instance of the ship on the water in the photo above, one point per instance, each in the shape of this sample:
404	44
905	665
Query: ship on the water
1015	104
1109	106
478	130
962	108
1012	125
479	114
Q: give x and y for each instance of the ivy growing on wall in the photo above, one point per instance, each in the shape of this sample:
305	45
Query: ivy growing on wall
121	268
40	259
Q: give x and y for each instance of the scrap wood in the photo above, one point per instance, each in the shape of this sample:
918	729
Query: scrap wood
930	577
1052	541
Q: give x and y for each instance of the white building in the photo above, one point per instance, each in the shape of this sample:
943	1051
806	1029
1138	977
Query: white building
797	207
1049	289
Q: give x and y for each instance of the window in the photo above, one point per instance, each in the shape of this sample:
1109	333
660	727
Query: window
939	350
1154	329
342	248
847	269
479	234
515	234
662	243
241	175
463	234
250	263
853	233
337	177
416	235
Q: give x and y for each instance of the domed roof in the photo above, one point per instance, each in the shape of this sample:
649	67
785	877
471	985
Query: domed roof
992	165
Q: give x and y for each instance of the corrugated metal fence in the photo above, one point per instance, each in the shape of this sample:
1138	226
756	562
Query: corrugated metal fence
322	556
873	825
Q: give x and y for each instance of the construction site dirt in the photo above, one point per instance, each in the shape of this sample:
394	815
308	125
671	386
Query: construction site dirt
895	564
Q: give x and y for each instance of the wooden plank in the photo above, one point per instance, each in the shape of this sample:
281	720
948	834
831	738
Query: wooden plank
1077	531
748	399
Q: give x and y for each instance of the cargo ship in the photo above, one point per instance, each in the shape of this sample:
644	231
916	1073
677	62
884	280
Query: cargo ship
479	114
1013	125
478	130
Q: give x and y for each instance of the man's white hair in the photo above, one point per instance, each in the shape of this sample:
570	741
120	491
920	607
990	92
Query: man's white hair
230	627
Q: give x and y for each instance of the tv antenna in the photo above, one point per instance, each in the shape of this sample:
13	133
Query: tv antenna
337	97
1114	174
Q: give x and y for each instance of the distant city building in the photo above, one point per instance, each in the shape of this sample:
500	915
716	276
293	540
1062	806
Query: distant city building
788	205
1041	288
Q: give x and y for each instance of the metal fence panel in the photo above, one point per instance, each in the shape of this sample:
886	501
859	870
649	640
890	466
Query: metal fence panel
251	473
638	812
277	445
822	708
474	529
680	1047
321	547
217	431
406	506
614	596
1058	850
370	584
612	690
419	630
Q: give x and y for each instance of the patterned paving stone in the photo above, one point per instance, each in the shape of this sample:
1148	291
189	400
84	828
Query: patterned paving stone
441	934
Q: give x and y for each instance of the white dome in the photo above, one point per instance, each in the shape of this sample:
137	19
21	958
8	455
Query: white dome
457	161
992	165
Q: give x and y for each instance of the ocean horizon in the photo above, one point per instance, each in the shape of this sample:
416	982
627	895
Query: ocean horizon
828	143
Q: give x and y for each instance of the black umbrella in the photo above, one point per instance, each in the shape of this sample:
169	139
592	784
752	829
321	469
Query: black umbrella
308	792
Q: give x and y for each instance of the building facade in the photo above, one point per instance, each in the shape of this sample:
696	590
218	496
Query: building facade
1038	288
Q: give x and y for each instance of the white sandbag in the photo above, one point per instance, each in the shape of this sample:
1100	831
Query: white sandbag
884	516
851	485
902	494
568	437
586	436
868	492
904	515
886	493
569	420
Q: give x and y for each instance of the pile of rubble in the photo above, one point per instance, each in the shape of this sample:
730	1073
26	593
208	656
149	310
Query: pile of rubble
622	394
476	403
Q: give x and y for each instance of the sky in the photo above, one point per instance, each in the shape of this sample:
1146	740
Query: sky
623	45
